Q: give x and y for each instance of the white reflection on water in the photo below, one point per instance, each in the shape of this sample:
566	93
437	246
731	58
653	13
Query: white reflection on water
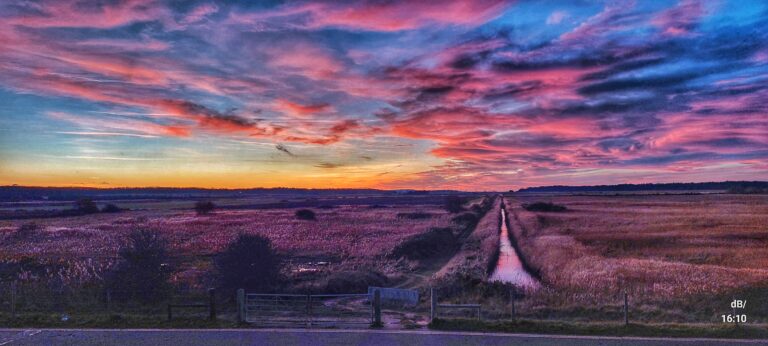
509	268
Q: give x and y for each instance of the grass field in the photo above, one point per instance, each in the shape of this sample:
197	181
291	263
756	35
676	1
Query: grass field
343	237
679	257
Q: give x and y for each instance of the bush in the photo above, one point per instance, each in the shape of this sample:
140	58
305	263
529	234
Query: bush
143	271
466	219
746	190
424	245
27	230
414	216
305	214
249	262
544	207
86	206
11	268
455	204
111	208
204	207
354	281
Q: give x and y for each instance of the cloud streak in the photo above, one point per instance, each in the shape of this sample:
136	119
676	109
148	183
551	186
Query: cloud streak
492	94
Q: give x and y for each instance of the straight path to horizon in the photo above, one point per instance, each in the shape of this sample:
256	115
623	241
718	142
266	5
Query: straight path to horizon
323	337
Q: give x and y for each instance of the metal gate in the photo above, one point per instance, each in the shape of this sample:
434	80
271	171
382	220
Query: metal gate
305	310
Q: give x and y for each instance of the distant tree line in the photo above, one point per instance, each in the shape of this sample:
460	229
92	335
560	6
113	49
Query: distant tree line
731	186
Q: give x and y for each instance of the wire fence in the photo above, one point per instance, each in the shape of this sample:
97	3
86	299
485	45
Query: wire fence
25	298
28	298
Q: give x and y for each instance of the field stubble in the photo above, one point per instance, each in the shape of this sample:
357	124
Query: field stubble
680	258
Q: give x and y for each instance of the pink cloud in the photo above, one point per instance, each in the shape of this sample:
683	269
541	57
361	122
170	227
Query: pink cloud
678	21
303	58
296	109
68	13
556	17
136	127
395	15
200	12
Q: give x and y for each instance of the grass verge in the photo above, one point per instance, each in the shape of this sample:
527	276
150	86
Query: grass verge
604	329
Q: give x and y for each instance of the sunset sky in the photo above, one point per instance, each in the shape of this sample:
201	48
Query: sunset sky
476	95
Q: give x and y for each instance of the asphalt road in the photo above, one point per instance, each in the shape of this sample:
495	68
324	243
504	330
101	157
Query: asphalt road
178	337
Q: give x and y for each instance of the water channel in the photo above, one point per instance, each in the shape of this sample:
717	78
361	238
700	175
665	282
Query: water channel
509	268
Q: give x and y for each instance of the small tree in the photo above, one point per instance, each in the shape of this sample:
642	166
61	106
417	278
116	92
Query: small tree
143	271
305	214
111	208
454	204
86	206
248	262
204	207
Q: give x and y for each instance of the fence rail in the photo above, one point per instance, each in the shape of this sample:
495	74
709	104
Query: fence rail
305	309
21	299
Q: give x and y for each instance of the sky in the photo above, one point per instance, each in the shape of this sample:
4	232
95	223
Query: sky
473	95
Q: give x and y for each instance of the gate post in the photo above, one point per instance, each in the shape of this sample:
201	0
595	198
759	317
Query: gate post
109	299
212	304
241	305
512	299
377	308
309	310
433	304
13	298
626	309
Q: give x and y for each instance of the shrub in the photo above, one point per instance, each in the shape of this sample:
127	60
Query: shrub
454	204
249	262
27	230
204	207
424	245
354	281
305	214
10	269
544	207
466	219
143	271
86	206
746	190
111	208
414	216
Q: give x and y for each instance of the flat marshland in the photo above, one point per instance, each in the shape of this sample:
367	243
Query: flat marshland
679	257
345	237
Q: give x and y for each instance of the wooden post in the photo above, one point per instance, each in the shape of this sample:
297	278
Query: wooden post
309	310
13	299
170	314
512	298
433	304
212	304
241	305
626	309
109	299
377	307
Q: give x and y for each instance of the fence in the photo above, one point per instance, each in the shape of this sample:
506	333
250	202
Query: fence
614	308
20	299
24	298
309	309
210	306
